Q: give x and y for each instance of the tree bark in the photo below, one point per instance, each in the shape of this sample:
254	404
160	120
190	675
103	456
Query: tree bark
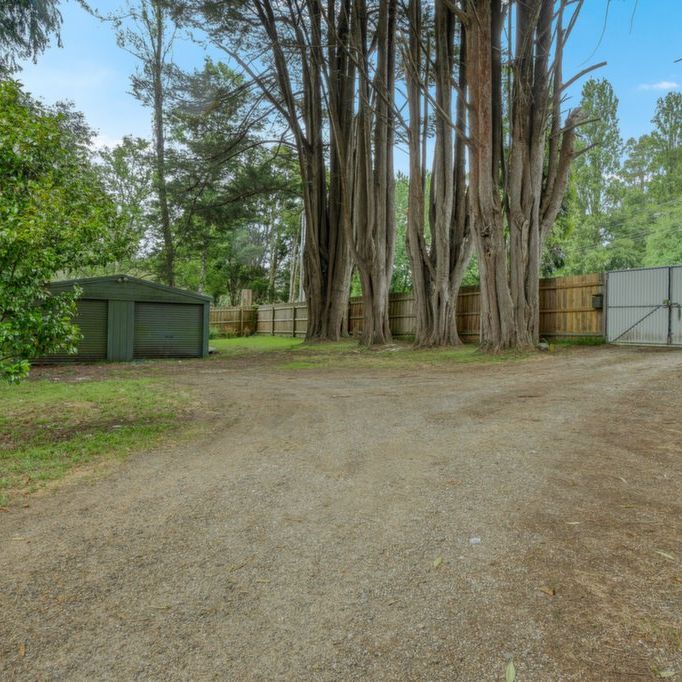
160	143
497	315
437	270
373	182
362	148
273	248
523	192
326	253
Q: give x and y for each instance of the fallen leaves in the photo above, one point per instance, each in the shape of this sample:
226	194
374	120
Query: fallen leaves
666	555
510	672
550	591
22	649
437	561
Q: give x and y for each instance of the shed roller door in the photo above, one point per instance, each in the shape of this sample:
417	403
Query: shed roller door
168	330
91	318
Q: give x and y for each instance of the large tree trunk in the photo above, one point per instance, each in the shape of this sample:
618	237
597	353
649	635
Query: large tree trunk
293	266
362	183
160	145
422	271
498	330
373	182
326	253
524	192
273	250
437	271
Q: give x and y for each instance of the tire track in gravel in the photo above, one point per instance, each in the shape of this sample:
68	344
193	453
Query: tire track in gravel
297	539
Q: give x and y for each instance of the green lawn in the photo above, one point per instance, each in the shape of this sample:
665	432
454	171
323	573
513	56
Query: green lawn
289	353
250	345
47	427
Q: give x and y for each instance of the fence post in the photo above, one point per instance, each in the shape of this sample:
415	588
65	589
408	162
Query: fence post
273	319
241	321
293	319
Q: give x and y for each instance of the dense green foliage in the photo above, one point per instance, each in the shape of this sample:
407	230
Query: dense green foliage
233	196
54	215
25	28
624	207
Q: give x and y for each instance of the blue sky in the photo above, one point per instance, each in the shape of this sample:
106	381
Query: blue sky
94	73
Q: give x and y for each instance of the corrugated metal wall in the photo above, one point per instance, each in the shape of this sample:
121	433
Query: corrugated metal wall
165	330
121	330
643	306
91	318
173	322
676	312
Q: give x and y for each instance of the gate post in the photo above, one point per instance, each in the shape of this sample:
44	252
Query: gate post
670	306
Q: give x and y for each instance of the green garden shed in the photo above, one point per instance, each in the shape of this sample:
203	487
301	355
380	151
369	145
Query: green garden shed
125	318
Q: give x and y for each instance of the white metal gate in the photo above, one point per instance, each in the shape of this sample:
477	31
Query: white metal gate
644	307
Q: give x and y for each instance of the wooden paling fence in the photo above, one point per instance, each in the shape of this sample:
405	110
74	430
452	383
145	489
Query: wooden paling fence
234	321
568	308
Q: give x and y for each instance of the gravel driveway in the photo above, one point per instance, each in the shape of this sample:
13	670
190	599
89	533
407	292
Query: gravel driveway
372	525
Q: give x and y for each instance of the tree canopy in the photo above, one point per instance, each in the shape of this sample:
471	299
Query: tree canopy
54	215
624	209
25	29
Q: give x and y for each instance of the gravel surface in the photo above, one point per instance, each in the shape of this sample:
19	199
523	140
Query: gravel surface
386	525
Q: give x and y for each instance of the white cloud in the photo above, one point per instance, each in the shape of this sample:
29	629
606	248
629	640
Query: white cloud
103	140
661	85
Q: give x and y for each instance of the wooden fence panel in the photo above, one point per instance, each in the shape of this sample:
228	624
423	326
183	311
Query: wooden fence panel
233	321
566	309
283	319
566	306
355	313
264	320
401	315
469	313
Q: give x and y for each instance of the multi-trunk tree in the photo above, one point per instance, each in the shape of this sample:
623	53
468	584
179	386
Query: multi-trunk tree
361	85
436	77
500	160
275	46
328	69
519	162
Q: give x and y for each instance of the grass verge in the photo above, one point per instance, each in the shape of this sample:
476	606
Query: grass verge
48	428
288	353
251	345
398	355
569	341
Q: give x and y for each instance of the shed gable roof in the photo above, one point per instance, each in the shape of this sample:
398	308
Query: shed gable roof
108	287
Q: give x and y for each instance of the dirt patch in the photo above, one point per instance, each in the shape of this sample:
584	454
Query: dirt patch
385	525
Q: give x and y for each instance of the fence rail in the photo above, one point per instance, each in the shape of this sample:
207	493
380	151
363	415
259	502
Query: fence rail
234	321
566	309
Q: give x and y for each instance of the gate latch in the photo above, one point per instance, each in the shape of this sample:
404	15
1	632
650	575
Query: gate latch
670	305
